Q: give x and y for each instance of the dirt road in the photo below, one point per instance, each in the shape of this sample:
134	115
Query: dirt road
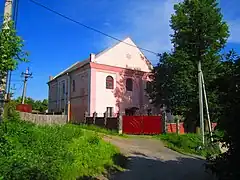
150	160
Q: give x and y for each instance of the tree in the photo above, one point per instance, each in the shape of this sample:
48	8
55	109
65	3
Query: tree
37	105
11	49
199	34
228	83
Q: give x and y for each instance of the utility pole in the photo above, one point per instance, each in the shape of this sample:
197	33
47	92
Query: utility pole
25	75
3	77
7	17
15	18
206	104
200	86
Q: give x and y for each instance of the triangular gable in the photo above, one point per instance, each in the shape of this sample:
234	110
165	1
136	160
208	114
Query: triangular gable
125	55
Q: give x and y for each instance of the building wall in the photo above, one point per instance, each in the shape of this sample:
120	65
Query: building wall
123	56
80	96
58	94
104	97
118	98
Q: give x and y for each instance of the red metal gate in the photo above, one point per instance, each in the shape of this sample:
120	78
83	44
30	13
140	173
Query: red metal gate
142	124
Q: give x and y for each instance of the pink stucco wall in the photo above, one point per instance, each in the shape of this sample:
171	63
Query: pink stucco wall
121	62
118	98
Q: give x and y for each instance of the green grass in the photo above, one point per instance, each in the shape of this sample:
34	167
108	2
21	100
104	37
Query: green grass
188	143
101	130
66	152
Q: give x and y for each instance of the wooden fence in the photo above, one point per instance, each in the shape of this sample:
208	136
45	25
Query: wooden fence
111	123
41	119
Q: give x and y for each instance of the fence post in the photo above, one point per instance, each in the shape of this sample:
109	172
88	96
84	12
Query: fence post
120	123
85	117
105	119
177	125
94	117
164	122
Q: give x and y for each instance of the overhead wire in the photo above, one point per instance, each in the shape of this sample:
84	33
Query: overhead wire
89	27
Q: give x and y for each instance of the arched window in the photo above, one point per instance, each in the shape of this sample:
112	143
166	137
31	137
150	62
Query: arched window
129	84
109	82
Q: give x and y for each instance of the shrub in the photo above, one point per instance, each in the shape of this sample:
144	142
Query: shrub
189	143
10	111
51	152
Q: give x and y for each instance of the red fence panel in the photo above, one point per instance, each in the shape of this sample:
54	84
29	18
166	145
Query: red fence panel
172	128
24	108
132	124
152	125
142	124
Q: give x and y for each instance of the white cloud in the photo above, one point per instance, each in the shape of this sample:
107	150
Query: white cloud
147	22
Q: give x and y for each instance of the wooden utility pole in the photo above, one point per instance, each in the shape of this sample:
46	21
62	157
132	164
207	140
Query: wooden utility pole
3	77
206	104
200	86
7	17
25	75
15	18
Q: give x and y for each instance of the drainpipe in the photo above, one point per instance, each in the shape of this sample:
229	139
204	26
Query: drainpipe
68	99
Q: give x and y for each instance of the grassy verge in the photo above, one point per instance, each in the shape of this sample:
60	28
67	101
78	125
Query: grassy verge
101	130
66	152
188	143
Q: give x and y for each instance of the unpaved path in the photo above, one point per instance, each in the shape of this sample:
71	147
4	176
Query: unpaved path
150	160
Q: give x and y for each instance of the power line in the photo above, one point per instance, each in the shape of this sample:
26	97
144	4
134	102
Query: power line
88	27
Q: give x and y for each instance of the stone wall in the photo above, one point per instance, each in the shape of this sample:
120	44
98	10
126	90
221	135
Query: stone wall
43	119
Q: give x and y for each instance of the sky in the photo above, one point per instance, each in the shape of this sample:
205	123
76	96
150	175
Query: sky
55	43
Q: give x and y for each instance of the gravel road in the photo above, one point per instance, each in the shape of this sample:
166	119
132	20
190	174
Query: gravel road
150	160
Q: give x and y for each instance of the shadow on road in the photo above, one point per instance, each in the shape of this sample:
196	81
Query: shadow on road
142	167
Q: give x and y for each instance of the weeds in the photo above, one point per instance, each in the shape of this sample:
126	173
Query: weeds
28	151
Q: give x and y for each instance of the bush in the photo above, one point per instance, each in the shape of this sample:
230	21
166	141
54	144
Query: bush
51	152
189	143
10	111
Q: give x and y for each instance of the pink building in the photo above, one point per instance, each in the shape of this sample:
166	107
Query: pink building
112	81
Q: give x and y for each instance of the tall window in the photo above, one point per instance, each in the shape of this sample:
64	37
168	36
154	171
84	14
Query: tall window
129	84
109	111
109	82
148	85
73	86
63	89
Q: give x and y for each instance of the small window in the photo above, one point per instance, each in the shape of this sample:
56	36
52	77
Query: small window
109	82
73	86
129	84
63	88
109	111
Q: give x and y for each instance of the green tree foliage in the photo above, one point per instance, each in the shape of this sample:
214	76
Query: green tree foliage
37	105
199	34
11	48
228	84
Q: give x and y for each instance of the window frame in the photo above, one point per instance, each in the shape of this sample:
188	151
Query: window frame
129	80
109	82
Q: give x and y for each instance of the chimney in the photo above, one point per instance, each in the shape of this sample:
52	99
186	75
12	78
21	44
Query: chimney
92	57
50	78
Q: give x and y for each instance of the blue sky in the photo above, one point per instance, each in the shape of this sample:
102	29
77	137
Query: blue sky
55	43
